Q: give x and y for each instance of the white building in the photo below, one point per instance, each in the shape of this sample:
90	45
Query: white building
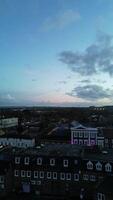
16	141
8	122
84	135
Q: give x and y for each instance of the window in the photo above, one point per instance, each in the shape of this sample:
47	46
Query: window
100	196
39	161
48	175
1	179
26	160
106	140
98	166
35	174
85	177
65	162
100	143
22	173
90	165
28	173
86	135
86	142
80	134
41	174
17	160
16	173
33	182
62	176
75	134
75	141
68	176
76	177
76	162
92	178
108	167
52	162
55	175
81	142
92	135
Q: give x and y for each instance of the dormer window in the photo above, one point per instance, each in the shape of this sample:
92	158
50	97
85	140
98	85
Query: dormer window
65	163
26	160
108	167
39	161
99	166
52	162
17	160
90	165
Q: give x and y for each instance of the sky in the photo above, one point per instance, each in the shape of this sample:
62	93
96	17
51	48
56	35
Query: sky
56	52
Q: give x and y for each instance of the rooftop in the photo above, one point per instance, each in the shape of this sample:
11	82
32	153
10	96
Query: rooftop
65	150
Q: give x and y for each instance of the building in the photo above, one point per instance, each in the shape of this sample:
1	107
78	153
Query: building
61	170
84	135
57	170
8	122
16	140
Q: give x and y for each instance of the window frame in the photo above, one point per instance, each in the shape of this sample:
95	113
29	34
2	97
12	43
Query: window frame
52	162
16	173
76	177
65	163
26	160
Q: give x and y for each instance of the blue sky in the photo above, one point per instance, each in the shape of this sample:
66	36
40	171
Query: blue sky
56	52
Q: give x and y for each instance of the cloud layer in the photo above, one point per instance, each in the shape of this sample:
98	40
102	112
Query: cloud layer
98	57
91	92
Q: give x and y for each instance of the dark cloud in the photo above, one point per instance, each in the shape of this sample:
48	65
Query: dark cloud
97	57
90	92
